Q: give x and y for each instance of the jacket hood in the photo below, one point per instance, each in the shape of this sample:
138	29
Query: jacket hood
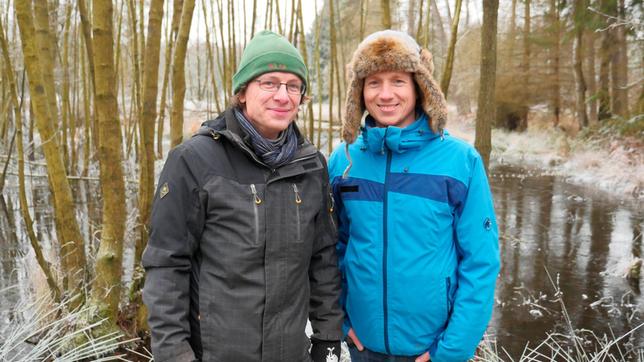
391	50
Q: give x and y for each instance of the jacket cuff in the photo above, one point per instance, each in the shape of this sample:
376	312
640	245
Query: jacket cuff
323	351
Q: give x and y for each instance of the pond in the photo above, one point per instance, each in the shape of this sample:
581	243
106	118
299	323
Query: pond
585	240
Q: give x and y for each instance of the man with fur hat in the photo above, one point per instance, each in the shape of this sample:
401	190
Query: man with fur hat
242	242
418	240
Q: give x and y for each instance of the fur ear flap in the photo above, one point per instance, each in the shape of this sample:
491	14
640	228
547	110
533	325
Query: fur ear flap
434	103
353	109
427	59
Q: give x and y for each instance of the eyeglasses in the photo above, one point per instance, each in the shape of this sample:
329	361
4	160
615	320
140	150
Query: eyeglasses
273	85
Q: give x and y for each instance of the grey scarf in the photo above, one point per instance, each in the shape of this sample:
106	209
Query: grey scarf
274	153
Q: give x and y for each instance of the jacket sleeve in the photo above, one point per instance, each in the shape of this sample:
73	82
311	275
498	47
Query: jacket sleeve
175	223
325	313
477	243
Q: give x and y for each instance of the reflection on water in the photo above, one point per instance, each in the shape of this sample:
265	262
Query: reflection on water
585	240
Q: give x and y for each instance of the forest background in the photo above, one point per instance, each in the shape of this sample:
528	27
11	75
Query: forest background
94	94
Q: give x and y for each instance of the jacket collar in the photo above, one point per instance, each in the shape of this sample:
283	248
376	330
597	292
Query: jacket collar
396	139
227	126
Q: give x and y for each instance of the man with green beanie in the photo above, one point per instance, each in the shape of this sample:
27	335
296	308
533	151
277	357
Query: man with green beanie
242	242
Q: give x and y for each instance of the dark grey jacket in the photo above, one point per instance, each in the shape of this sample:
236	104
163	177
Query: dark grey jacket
240	255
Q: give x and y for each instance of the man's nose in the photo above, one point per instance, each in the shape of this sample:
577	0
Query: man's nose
386	92
281	94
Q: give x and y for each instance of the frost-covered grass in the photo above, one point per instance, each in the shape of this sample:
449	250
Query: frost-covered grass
571	345
41	331
609	162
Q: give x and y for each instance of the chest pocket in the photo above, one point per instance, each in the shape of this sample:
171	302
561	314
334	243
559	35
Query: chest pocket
305	201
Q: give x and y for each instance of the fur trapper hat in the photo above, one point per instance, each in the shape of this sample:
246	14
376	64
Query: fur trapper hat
391	50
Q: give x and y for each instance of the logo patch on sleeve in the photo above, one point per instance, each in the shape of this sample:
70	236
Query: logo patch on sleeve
164	190
487	224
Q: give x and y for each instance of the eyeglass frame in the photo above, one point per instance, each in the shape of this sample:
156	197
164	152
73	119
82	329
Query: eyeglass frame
300	92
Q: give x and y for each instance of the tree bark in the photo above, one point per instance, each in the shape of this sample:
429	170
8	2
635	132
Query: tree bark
89	50
22	195
606	55
106	289
619	65
331	72
485	113
150	90
178	74
590	76
72	250
449	63
176	19
555	97
580	83
525	62
386	14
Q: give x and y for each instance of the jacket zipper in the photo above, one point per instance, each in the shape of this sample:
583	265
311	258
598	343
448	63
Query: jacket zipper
331	209
298	201
256	202
384	253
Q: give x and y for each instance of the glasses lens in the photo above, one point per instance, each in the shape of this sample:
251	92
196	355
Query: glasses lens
268	85
294	88
273	85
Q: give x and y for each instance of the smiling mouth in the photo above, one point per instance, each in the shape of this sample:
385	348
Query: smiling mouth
387	107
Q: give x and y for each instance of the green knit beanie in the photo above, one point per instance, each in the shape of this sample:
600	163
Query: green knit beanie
268	52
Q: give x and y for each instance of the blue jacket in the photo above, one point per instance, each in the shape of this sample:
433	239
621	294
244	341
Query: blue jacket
418	247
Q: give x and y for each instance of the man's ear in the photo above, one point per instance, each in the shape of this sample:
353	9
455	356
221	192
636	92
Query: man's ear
242	96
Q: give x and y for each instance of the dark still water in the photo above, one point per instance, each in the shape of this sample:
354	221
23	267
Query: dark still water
585	240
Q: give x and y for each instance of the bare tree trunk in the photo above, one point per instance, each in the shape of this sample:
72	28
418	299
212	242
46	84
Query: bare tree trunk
178	74
150	90
46	43
441	27
67	229
318	77
619	65
449	63
331	73
106	289
411	17
419	26
386	14
89	50
302	45
66	112
512	33
555	97
211	55
485	113
525	62
252	24
176	19
590	77
579	11
22	195
606	55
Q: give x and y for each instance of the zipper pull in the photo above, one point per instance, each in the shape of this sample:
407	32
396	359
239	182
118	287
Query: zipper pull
332	202
254	191
298	200
215	135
